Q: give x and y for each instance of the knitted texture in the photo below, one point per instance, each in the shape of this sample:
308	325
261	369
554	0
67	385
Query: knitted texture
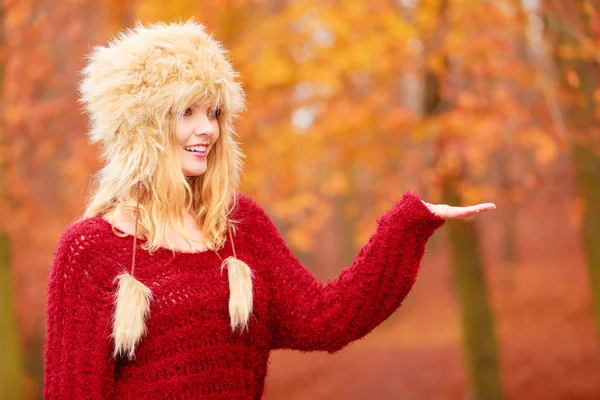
189	351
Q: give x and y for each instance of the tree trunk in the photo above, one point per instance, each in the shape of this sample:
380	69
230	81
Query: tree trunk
11	363
479	342
587	167
509	220
583	127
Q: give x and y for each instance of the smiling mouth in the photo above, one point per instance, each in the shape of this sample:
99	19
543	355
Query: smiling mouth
196	149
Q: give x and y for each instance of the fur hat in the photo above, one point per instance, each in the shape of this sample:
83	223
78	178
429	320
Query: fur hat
145	74
132	90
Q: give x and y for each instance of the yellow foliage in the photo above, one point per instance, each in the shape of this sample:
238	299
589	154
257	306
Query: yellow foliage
149	11
348	61
272	68
436	62
294	206
588	9
335	185
567	51
300	239
544	147
364	230
588	50
472	193
397	28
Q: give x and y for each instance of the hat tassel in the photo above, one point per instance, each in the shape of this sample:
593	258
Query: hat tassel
132	309
132	306
240	289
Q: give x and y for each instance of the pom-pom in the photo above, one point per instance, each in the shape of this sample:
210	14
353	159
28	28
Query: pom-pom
132	309
240	292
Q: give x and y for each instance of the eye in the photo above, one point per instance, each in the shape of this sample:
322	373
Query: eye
187	112
214	113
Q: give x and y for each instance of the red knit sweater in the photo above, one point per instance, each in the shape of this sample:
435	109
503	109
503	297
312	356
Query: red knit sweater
189	351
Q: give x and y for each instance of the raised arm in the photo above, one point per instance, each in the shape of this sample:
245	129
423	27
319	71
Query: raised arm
308	315
77	352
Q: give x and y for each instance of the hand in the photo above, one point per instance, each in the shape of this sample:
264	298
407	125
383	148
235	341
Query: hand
448	212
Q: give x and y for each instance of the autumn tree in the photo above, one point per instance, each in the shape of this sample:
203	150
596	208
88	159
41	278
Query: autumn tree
452	80
49	160
573	28
11	364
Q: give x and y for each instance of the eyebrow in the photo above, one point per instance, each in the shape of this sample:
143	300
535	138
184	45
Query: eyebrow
209	106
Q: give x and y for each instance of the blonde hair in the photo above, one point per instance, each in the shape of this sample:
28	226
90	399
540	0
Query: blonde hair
133	90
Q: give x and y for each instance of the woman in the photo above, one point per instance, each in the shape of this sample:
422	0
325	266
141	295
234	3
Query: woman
170	324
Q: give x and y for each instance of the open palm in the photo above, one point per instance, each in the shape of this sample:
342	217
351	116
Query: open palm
449	212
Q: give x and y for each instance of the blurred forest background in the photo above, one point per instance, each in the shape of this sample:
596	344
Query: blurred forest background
351	102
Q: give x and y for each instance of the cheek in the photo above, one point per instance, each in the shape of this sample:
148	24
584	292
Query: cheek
181	133
217	131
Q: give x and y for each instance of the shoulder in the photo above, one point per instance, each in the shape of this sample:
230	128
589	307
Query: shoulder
81	248
252	217
81	236
248	208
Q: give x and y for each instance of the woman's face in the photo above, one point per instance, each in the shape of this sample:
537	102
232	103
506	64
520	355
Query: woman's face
197	130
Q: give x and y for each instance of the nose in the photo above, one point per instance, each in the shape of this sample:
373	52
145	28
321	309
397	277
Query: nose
202	124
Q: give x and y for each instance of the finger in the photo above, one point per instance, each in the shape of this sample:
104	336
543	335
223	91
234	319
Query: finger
488	206
480	207
460	214
463	212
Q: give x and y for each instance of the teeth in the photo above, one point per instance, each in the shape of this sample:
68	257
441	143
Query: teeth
200	149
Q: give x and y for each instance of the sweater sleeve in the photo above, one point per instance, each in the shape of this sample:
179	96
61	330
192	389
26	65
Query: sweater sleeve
77	352
308	315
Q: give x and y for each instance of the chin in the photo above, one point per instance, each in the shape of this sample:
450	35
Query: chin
194	172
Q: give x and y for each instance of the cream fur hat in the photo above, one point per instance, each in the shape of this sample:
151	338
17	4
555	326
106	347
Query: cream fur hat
132	89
